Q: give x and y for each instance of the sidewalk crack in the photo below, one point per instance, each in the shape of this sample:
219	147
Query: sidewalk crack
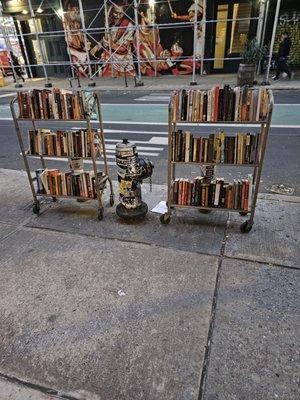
206	358
39	388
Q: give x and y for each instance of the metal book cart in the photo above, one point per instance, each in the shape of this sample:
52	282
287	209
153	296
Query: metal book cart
264	130
92	100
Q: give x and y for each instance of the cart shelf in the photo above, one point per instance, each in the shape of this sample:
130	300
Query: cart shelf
92	104
264	131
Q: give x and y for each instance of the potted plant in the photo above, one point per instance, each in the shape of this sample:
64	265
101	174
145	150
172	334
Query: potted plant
251	56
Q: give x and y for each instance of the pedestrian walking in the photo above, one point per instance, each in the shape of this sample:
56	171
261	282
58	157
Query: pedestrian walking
282	56
17	67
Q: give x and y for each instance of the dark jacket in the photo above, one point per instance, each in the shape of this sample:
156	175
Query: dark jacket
285	47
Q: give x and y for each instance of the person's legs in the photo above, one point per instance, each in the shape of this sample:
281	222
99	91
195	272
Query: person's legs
285	68
279	69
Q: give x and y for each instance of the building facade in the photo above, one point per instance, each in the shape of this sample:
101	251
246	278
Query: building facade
140	37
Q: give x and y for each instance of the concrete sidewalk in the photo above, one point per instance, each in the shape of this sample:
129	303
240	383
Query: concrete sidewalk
108	311
164	82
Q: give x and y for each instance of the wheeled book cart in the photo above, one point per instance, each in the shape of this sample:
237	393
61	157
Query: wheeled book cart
264	130
92	104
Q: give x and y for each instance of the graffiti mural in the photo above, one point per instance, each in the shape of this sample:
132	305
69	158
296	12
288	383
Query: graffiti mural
146	37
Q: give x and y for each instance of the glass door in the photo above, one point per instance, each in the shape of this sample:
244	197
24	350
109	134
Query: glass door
232	30
220	41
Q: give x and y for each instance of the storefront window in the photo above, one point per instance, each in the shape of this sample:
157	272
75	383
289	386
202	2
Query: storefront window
240	29
221	29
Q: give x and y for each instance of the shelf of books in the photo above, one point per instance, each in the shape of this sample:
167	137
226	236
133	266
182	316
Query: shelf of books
224	106
74	146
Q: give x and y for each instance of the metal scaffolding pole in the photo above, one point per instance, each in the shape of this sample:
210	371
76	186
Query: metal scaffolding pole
67	41
203	35
272	41
260	21
47	84
92	83
195	43
265	26
24	47
107	27
137	31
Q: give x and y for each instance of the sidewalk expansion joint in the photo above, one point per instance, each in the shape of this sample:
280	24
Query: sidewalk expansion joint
122	240
17	228
269	264
206	359
36	387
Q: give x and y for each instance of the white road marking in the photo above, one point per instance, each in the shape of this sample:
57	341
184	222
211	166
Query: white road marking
108	140
132	104
154	99
166	124
107	130
200	124
150	148
7	95
159	140
141	153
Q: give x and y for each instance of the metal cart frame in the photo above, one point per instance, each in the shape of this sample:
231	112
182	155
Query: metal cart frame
264	130
100	185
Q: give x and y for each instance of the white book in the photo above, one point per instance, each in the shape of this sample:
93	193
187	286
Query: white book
54	105
187	146
258	104
250	179
236	105
208	116
45	181
217	194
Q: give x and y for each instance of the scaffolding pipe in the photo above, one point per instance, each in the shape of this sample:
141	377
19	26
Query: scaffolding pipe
273	39
137	41
85	41
195	43
107	32
203	22
169	25
24	47
39	43
66	39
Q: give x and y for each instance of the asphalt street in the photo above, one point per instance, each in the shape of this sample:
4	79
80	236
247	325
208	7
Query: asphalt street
142	117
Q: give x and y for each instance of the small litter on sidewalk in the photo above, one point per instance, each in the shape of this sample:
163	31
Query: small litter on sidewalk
281	189
160	208
121	292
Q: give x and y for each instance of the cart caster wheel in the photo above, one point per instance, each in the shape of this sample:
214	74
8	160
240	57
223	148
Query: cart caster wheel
246	227
165	219
54	199
100	214
111	200
36	208
243	214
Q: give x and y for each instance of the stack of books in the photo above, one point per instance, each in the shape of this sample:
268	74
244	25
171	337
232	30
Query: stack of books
52	104
61	143
57	183
216	194
238	104
217	148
